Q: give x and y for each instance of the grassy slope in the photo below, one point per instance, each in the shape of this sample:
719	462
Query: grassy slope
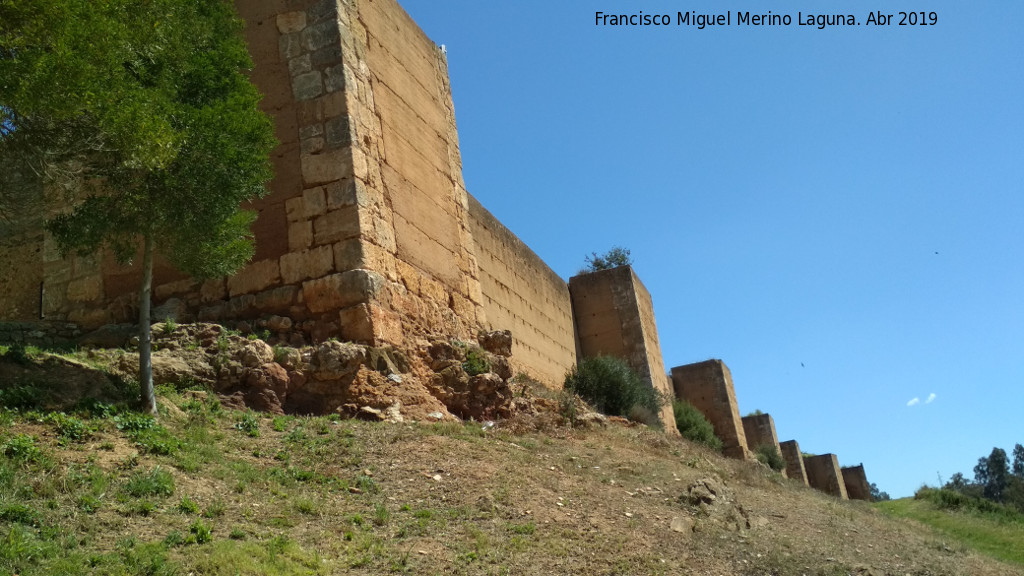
211	491
989	534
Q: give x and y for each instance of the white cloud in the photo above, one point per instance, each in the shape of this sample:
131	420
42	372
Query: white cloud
914	402
931	398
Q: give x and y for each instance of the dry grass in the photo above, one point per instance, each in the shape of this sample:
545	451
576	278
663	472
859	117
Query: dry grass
322	496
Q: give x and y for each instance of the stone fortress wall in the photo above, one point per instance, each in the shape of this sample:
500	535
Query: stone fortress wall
369	234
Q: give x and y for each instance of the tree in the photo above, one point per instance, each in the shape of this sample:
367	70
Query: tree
1018	461
877	495
613	258
141	112
993	474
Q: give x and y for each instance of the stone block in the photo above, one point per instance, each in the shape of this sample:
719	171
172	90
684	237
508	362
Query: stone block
708	386
295	209
300	235
326	167
356	324
314	201
85	289
165	291
339	132
794	461
328	55
342	290
307	86
320	35
255	277
276	299
856	482
213	289
291	22
823	474
314	263
335	78
300	65
336	225
350	192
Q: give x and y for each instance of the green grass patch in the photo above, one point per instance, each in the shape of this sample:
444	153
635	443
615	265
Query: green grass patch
994	534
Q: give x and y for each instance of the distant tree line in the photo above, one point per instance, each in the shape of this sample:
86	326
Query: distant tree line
995	478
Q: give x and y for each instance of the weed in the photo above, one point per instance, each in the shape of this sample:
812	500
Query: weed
367	484
88	504
174	539
156	482
526	529
19	513
476	362
170	325
305	506
216	509
237	534
22	448
199	533
249	423
381	515
188	506
69	428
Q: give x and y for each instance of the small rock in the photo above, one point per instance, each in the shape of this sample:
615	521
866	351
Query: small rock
396	378
371	414
435	416
682	525
498	342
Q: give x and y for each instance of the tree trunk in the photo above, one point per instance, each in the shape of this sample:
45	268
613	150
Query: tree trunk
145	334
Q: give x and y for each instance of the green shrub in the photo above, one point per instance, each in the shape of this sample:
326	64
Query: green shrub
22	448
694	426
768	455
21	397
611	386
69	428
946	499
617	256
476	362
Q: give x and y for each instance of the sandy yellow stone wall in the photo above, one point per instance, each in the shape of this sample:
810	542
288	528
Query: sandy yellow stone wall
523	295
614	316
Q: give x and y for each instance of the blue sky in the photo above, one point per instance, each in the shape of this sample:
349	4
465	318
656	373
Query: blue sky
838	214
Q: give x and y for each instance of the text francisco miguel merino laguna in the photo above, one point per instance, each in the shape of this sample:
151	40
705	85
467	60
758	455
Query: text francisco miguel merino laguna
819	21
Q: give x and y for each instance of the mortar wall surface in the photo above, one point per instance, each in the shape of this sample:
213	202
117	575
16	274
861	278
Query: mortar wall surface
794	461
823	474
708	386
523	295
856	482
760	430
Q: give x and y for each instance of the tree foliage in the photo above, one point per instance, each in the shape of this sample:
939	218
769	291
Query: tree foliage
613	258
877	495
994	479
140	110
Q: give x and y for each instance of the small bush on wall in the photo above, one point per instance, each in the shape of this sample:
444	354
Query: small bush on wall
612	387
694	426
